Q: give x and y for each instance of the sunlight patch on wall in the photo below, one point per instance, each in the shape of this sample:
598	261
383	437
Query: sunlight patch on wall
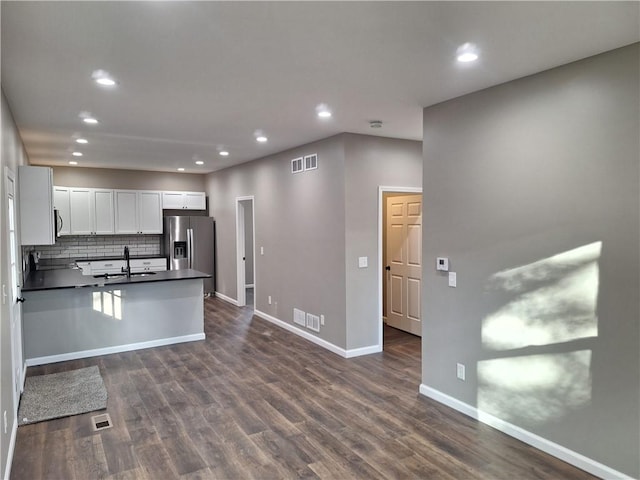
534	389
556	301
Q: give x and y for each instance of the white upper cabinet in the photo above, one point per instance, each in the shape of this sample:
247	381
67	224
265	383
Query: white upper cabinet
35	190
184	200
138	212
91	211
62	205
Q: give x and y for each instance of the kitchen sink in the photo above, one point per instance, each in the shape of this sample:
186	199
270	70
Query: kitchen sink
110	275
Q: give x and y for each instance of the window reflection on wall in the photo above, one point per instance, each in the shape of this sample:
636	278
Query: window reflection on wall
108	303
538	340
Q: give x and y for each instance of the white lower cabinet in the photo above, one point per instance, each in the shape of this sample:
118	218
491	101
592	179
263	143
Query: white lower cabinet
148	265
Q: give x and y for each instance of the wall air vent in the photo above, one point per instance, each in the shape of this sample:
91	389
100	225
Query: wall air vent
313	322
298	317
297	165
311	162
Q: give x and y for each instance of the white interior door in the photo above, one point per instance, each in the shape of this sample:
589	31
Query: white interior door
15	293
404	263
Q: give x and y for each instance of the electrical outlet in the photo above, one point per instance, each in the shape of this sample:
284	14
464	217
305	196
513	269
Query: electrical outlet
4	419
321	319
269	299
460	371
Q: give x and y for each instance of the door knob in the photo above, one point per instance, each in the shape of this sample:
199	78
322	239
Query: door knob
20	299
388	268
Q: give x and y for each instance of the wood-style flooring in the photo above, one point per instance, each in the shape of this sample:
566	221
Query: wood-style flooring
255	401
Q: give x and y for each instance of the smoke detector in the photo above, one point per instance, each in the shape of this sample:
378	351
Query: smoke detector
375	124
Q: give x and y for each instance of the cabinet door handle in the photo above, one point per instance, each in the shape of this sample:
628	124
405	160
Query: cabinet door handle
20	299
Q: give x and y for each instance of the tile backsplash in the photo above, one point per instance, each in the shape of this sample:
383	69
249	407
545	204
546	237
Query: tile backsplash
70	248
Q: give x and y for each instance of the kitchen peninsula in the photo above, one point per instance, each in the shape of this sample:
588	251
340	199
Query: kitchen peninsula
67	315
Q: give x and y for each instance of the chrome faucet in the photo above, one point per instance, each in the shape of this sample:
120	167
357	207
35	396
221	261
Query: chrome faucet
127	269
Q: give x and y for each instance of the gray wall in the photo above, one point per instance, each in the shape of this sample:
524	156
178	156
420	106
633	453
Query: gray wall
248	242
514	176
127	179
299	220
12	155
370	162
314	226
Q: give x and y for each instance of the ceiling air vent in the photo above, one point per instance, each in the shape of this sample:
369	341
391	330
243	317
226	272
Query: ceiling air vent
311	162
296	165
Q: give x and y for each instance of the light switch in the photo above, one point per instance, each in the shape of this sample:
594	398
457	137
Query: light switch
261	250
363	262
452	279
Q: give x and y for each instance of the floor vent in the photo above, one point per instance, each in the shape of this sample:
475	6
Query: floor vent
101	422
313	322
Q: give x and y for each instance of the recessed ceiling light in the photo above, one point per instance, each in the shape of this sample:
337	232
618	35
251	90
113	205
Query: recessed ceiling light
323	111
224	153
261	139
199	162
102	77
82	140
73	162
467	52
77	154
375	124
181	169
88	118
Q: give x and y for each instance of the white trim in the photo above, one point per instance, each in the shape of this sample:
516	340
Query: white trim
356	352
12	446
248	285
240	248
63	357
547	446
230	300
381	190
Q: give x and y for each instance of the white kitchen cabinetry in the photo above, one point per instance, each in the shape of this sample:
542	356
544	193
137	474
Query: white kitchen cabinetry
184	200
62	205
35	190
100	267
138	212
148	265
91	211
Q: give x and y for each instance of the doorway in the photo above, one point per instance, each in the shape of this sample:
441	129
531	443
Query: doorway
245	248
400	260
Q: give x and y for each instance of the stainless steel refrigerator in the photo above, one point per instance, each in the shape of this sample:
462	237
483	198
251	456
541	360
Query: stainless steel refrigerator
189	242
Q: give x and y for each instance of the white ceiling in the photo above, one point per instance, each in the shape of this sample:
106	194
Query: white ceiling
194	76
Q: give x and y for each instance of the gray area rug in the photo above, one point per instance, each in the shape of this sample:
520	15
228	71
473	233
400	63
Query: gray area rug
56	395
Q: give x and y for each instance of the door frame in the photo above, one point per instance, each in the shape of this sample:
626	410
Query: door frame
15	310
381	224
240	247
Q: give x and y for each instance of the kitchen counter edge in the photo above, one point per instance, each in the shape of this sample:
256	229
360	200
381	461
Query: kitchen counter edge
73	278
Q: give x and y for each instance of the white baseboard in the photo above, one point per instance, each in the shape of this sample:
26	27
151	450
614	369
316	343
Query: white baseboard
117	349
226	299
547	446
12	446
356	352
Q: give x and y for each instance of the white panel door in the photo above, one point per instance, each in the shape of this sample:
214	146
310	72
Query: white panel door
404	263
104	212
150	212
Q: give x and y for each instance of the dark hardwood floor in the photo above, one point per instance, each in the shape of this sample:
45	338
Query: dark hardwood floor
254	401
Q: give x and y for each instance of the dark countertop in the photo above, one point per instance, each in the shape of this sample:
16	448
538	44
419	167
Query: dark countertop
73	278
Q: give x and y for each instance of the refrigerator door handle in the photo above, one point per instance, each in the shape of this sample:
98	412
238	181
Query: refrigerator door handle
190	247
